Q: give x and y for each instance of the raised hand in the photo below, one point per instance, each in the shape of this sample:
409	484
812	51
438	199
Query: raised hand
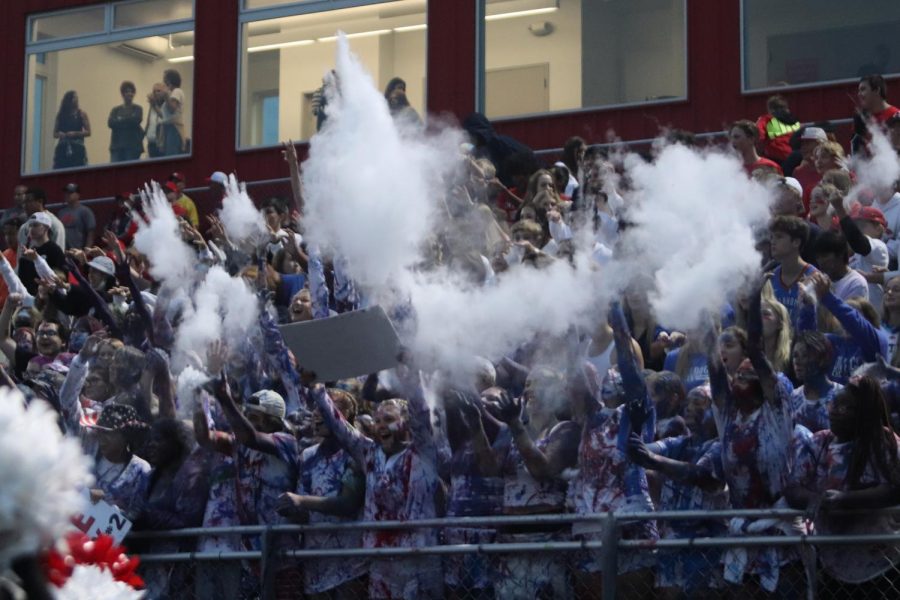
638	451
507	409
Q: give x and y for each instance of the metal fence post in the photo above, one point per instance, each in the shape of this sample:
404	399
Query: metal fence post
267	565
610	563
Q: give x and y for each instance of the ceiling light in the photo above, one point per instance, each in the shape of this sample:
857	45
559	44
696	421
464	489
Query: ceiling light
180	59
265	47
351	36
410	28
521	13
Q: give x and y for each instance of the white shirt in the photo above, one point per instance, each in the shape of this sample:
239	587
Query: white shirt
851	285
877	257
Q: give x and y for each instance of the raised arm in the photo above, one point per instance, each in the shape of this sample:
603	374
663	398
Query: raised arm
102	309
278	359
768	379
870	340
423	439
290	157
652	456
318	287
541	464
244	432
639	415
351	440
70	391
7	344
470	415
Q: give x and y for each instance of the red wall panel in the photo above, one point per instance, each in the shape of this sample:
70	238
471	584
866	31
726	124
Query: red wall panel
714	96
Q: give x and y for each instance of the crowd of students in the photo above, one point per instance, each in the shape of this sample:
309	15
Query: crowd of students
786	399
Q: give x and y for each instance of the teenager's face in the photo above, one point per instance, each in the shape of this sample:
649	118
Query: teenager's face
731	351
301	307
739	140
770	321
781	245
892	294
825	161
112	444
96	387
842	417
38	233
868	98
831	264
695	410
49	342
390	427
804	362
273	218
807	148
818	205
128	95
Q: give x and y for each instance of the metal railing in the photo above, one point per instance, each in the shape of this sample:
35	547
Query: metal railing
606	548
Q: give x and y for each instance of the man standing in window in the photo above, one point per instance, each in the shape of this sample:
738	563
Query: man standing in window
156	99
78	219
126	140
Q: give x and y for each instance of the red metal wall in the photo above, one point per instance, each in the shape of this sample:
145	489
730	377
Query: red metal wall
714	96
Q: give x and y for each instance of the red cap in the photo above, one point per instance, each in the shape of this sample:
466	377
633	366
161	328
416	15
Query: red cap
870	213
171	187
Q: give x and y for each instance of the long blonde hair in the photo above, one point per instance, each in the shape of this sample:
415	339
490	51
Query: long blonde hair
780	354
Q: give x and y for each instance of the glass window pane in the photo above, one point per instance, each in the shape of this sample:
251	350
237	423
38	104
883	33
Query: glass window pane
68	24
117	129
287	57
249	4
550	55
783	45
151	12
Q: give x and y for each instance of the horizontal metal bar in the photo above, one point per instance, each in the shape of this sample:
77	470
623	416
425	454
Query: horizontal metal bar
199	556
531	547
495	522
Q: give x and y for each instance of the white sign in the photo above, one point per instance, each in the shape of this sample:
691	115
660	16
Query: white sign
103	518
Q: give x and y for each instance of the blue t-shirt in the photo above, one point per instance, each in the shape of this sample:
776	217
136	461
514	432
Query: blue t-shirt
789	294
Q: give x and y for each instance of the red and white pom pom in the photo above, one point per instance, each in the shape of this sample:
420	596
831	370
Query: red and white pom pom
41	472
81	568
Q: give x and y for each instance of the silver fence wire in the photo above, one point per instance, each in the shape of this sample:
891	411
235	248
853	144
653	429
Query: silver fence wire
486	558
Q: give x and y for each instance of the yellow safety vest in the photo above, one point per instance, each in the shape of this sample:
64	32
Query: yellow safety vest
775	128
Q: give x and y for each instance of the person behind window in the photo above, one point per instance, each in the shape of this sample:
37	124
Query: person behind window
71	127
398	103
156	99
126	140
172	130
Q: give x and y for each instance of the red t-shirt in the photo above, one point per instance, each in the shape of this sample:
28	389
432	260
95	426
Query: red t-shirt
886	114
809	178
763	162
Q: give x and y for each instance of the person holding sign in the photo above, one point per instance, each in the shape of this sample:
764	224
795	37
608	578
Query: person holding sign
122	477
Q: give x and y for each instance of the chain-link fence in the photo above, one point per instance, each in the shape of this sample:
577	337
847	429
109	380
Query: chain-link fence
721	554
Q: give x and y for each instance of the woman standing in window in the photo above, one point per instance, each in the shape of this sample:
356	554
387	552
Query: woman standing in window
172	142
71	127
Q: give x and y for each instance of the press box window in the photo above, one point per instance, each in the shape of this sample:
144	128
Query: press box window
557	55
87	56
284	58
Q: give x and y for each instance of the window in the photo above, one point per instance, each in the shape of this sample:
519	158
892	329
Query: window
88	54
815	41
286	51
555	55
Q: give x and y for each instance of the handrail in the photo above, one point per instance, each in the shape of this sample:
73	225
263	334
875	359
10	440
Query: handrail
498	521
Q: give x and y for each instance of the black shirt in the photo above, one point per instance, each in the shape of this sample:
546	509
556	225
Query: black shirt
54	256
